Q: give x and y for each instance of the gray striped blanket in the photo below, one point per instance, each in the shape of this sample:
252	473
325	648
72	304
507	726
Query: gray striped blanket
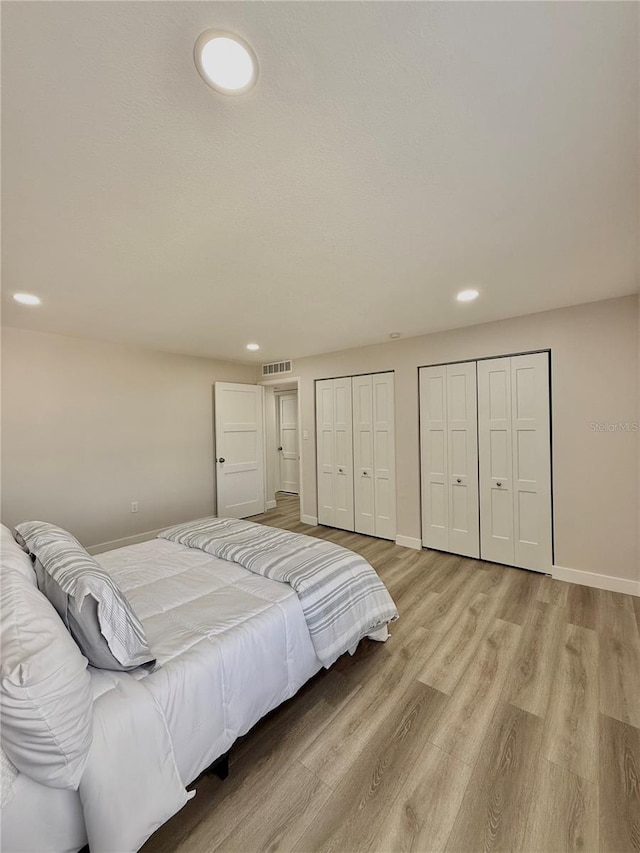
342	597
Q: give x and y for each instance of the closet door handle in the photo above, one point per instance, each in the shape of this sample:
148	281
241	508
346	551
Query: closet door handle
279	448
458	480
498	484
222	459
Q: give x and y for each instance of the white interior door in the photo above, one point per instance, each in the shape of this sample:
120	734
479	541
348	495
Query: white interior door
515	461
434	457
334	437
531	437
239	447
288	446
462	459
449	458
343	438
496	457
363	462
384	454
325	452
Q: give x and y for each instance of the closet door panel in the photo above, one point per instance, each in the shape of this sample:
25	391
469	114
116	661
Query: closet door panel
383	409
495	449
462	444
343	450
434	457
325	451
363	455
355	424
531	461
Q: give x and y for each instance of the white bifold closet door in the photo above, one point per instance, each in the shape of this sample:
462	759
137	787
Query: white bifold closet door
515	460
449	458
334	436
374	455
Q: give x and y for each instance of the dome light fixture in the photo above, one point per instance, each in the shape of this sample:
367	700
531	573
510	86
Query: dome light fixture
394	335
467	295
225	62
27	298
253	347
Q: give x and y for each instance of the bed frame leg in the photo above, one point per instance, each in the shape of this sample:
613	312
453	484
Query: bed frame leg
220	766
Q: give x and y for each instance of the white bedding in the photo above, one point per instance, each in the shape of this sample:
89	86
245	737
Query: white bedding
237	644
230	647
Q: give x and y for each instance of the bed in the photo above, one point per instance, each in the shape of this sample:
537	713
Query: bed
230	645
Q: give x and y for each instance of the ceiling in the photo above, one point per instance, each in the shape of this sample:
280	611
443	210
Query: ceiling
390	155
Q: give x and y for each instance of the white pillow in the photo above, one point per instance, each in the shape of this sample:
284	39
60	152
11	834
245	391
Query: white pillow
45	690
13	556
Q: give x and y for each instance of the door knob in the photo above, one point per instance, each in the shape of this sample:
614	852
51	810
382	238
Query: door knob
279	448
458	480
498	484
221	459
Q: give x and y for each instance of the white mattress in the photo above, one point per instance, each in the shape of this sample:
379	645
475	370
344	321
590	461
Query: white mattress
230	647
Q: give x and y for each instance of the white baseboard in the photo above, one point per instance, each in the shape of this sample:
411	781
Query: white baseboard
271	504
409	542
630	587
128	540
309	519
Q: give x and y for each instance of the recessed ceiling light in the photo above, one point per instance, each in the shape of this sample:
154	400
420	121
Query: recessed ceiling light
394	335
253	347
26	298
225	62
467	295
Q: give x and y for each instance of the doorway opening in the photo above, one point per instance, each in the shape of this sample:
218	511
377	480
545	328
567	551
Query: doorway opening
287	462
283	467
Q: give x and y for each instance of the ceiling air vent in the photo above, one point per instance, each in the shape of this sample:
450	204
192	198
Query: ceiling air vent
276	368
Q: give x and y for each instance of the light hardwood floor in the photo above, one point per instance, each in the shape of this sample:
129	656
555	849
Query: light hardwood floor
503	714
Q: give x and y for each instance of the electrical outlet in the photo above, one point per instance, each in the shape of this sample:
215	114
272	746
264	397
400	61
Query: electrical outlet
134	506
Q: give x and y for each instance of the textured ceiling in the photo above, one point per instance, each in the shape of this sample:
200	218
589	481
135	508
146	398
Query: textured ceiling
390	155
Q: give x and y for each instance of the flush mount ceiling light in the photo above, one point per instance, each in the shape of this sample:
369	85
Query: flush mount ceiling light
26	298
394	335
253	347
226	62
467	295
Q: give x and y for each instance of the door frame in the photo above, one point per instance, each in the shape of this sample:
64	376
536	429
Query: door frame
551	478
276	382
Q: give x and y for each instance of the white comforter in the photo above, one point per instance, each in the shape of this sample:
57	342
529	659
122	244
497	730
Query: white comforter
230	646
235	643
342	597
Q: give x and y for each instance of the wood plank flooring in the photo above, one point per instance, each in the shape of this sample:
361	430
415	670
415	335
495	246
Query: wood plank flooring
502	714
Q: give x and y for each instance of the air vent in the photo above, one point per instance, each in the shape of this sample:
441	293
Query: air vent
277	368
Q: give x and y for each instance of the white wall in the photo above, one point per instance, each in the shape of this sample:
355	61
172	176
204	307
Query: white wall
88	427
595	380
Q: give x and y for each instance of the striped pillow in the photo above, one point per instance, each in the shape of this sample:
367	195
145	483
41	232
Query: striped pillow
89	601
